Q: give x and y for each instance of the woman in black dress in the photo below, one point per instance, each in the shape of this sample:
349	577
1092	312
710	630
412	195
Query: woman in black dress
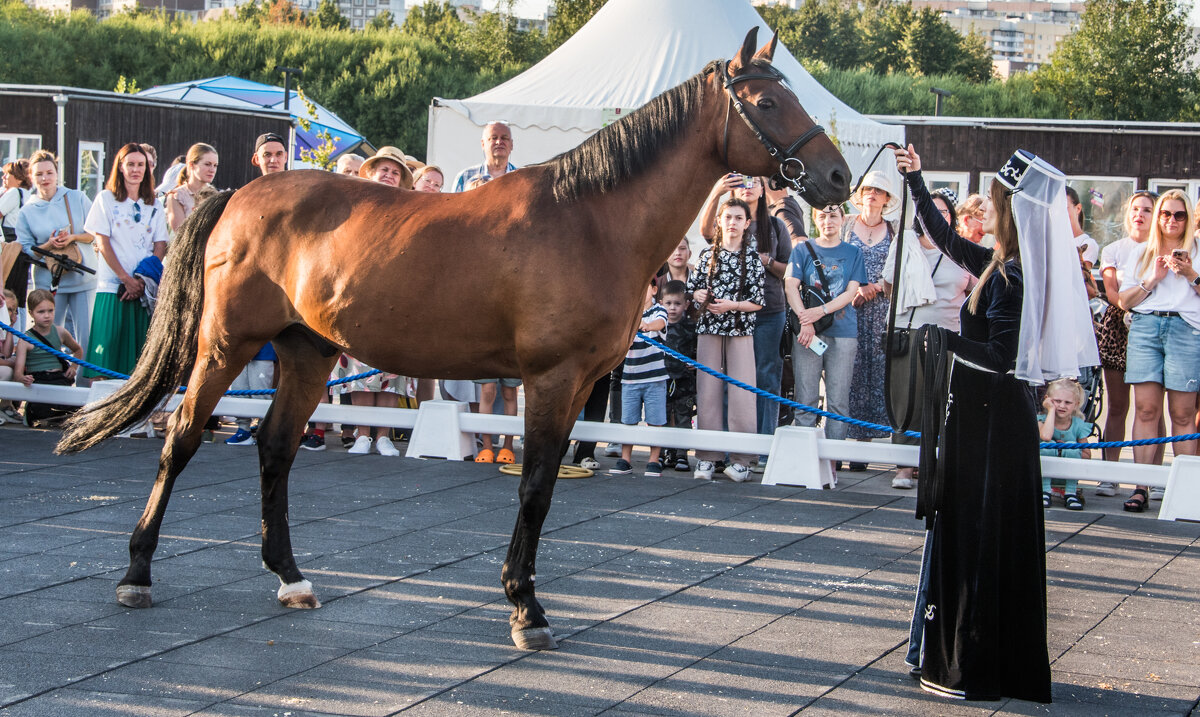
985	613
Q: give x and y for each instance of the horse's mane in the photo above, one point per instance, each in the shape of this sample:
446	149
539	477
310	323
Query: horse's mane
626	147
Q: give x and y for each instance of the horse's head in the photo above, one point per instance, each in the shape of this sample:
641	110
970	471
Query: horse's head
798	153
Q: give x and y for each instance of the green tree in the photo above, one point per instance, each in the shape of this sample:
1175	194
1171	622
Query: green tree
251	12
975	58
884	27
930	46
329	17
1129	60
385	20
566	17
437	22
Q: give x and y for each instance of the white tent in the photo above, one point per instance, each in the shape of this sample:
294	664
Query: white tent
628	53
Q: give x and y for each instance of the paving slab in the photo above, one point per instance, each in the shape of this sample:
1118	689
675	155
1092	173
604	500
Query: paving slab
669	596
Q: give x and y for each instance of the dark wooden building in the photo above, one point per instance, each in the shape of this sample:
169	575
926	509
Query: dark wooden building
85	128
1104	161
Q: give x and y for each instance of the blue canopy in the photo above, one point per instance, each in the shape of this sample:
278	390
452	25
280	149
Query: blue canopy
229	91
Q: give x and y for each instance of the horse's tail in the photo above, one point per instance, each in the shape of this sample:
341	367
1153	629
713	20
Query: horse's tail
171	343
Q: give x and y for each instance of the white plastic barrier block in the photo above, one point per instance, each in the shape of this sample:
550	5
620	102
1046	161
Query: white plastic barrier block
438	434
1181	501
795	459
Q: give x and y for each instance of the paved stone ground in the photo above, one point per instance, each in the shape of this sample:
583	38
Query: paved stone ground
670	596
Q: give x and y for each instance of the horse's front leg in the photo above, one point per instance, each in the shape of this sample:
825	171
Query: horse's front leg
549	415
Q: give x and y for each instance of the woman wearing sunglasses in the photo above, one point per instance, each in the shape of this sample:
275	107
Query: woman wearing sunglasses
129	224
1161	290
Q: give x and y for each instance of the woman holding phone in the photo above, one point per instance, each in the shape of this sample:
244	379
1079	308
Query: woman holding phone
1161	290
843	272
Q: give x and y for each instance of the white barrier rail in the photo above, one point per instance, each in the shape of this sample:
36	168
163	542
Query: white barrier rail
798	456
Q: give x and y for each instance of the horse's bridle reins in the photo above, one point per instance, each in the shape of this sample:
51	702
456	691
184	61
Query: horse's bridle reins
792	172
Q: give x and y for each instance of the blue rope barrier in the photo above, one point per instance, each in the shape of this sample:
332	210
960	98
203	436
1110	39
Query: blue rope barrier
666	350
114	374
866	424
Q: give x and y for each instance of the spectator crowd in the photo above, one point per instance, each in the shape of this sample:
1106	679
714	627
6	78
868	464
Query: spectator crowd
758	299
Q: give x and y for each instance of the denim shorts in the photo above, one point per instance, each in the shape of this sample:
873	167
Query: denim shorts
505	382
652	395
1163	350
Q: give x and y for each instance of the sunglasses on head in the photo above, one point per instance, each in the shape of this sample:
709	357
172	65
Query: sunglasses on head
1180	216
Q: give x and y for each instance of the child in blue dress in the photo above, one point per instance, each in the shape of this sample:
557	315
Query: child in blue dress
1063	423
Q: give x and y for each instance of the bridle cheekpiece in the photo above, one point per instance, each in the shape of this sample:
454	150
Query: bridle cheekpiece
792	172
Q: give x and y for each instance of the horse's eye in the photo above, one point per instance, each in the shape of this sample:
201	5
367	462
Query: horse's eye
766	103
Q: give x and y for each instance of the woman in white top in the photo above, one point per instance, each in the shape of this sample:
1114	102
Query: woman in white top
13	194
194	184
1161	290
950	284
129	224
1113	336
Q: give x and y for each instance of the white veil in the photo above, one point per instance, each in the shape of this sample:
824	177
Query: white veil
1057	337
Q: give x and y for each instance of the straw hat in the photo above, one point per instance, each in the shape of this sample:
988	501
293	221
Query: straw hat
878	180
392	154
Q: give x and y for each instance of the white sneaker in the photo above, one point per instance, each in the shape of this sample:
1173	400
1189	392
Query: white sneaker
361	447
1156	494
737	472
385	447
613	450
704	470
1106	489
589	463
903	483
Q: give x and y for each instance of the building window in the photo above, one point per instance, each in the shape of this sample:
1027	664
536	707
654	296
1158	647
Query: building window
358	12
17	146
90	179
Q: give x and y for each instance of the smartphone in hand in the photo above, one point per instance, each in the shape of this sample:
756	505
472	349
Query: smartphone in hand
818	346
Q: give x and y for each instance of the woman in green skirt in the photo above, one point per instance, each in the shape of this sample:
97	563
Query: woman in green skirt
129	224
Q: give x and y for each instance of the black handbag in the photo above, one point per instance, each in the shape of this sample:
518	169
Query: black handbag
812	297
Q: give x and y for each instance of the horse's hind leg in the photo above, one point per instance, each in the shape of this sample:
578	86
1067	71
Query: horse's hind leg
209	380
305	362
552	403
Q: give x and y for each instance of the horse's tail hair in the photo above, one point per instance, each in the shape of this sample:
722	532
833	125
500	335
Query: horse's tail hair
171	343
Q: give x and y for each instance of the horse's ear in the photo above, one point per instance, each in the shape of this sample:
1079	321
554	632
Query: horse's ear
746	54
768	50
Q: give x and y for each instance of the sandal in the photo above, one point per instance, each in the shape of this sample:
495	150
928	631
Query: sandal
485	456
505	456
1074	502
1137	502
1046	500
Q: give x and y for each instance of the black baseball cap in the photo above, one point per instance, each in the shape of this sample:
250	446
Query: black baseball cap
268	137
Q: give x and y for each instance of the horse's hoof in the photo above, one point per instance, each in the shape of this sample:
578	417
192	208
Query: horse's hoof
535	638
298	595
134	595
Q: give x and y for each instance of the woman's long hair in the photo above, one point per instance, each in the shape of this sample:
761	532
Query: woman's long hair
194	154
1140	194
715	259
116	180
1156	244
1006	241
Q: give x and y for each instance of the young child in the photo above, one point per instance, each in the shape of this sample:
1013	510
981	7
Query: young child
1063	423
35	365
644	383
681	383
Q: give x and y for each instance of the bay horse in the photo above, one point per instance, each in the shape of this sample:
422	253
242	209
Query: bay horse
538	275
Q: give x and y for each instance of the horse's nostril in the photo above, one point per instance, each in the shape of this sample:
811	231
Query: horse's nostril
837	179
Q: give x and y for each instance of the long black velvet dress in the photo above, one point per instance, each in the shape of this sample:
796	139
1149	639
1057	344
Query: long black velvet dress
985	620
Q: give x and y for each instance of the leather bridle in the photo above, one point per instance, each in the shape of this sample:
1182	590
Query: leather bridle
792	172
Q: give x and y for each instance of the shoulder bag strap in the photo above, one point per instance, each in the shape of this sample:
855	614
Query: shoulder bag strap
820	269
46	341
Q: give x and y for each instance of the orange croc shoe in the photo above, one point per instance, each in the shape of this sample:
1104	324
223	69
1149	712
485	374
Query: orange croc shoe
485	456
505	456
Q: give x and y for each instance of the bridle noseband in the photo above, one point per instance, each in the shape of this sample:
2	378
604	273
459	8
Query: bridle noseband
792	172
